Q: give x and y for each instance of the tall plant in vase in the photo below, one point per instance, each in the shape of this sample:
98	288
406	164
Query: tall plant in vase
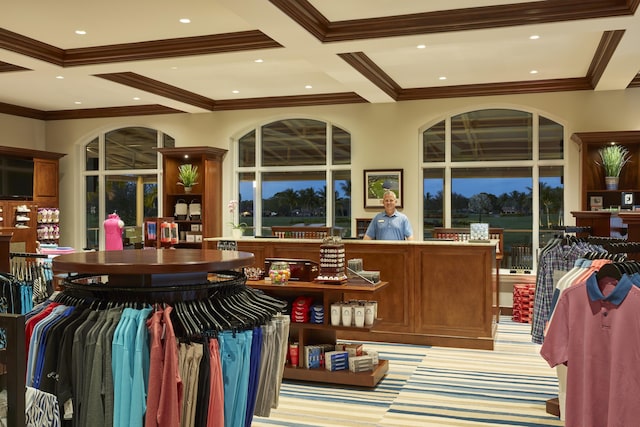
613	158
187	176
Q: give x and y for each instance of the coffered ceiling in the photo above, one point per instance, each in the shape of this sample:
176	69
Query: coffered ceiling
138	58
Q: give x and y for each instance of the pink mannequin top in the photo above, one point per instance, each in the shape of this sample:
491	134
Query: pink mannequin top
113	233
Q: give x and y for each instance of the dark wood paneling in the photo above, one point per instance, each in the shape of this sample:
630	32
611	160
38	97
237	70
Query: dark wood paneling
94	113
290	101
451	302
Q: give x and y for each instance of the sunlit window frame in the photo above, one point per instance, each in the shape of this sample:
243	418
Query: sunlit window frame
102	173
535	163
328	168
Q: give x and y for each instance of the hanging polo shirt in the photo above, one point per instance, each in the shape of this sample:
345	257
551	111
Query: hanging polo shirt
595	333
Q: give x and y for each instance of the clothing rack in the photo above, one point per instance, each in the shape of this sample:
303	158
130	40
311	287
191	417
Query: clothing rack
12	357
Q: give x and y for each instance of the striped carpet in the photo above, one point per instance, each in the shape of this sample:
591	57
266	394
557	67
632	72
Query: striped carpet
434	386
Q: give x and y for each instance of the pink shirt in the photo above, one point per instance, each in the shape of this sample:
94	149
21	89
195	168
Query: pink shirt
599	341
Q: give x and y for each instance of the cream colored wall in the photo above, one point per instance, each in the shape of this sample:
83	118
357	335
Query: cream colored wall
22	132
383	136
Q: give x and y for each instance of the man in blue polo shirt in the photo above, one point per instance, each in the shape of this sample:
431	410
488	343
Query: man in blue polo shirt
390	224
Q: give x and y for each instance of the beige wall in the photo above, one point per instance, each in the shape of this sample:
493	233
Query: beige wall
383	136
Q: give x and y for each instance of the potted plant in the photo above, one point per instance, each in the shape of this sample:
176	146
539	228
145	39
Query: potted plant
613	158
237	230
188	176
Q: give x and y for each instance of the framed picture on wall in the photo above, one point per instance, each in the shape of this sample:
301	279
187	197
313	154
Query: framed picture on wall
377	181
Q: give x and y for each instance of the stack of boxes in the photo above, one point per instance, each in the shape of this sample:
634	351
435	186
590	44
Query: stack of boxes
339	357
523	296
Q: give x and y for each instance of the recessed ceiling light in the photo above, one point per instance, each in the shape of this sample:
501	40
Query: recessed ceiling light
442	78
78	102
421	46
185	20
136	98
235	91
533	72
534	37
81	32
59	77
308	87
259	60
174	68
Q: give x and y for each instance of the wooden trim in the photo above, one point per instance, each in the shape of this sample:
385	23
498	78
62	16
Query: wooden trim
206	151
622	137
92	113
28	153
159	88
372	72
635	82
607	46
168	48
7	67
473	18
23	45
507	88
290	101
303	12
17	110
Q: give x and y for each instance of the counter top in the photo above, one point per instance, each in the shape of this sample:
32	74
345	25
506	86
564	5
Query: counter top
359	241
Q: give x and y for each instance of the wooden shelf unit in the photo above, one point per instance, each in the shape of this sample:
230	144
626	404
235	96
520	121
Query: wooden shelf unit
309	333
45	194
208	191
592	175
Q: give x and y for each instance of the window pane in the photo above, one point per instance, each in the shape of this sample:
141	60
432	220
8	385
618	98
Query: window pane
92	155
342	202
341	146
433	203
132	197
433	143
247	150
491	135
92	212
294	142
246	199
551	201
167	141
293	198
500	197
551	139
131	148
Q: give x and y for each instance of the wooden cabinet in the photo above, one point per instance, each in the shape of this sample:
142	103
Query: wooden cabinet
325	333
207	193
45	195
592	176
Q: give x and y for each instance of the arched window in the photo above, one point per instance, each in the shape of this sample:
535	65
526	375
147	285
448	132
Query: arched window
294	172
121	175
499	166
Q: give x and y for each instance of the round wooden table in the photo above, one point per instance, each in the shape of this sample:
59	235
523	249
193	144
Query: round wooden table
151	267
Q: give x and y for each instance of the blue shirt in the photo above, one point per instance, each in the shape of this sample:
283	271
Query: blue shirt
385	227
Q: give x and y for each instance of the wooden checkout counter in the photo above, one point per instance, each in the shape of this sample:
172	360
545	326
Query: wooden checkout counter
440	293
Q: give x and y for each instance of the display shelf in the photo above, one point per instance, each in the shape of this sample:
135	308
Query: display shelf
592	178
346	377
325	333
207	192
